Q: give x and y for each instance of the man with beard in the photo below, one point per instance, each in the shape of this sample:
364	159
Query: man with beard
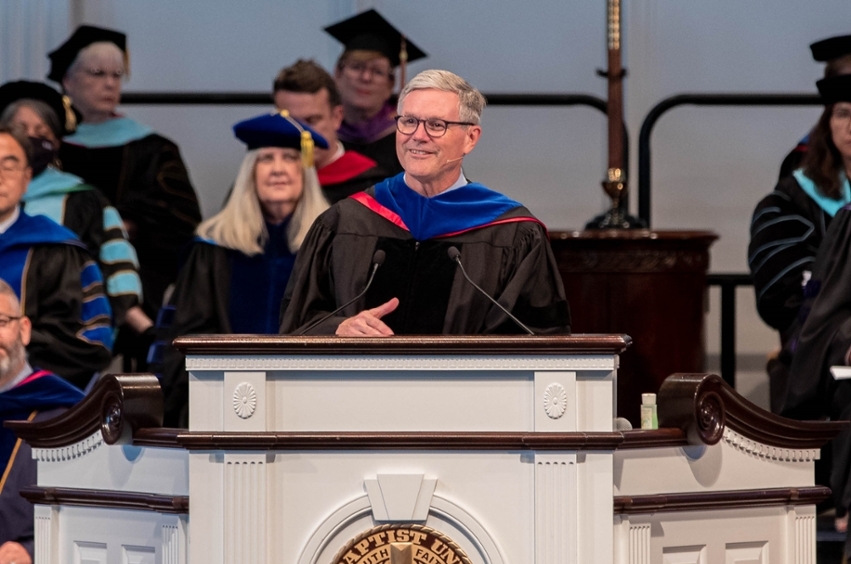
25	394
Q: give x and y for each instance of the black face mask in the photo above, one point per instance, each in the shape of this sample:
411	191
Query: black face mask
44	153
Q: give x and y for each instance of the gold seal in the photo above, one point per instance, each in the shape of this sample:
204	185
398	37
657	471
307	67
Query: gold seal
401	544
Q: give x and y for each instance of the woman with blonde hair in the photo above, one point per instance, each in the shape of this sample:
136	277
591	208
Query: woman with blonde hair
234	278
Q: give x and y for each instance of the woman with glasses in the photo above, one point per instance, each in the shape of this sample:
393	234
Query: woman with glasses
46	117
365	76
788	227
140	172
239	265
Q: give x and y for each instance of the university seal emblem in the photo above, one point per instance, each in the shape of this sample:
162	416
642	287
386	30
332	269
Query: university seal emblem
401	544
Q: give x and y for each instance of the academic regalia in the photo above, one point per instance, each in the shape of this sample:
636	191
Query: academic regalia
823	51
824	341
787	229
503	248
142	174
349	174
68	201
221	291
40	396
370	31
61	291
381	146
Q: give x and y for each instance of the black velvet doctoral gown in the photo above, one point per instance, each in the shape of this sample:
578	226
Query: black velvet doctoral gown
512	261
786	231
221	291
825	340
147	181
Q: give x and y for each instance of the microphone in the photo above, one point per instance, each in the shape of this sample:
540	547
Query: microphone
455	255
377	260
458	159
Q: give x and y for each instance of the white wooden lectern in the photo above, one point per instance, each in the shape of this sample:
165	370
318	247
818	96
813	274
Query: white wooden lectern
486	450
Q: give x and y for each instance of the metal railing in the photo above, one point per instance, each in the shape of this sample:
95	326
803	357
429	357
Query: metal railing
644	153
727	282
265	99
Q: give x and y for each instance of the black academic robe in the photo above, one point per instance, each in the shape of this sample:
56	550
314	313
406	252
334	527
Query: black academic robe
147	181
61	291
382	151
824	341
511	261
83	213
221	291
786	232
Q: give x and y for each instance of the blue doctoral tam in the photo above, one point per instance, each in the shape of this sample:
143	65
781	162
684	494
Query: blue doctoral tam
277	129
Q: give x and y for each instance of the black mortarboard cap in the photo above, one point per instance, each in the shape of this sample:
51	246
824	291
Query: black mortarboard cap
11	92
62	57
831	48
369	31
835	89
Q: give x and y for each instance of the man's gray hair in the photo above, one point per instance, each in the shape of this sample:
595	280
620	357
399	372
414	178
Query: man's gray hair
470	101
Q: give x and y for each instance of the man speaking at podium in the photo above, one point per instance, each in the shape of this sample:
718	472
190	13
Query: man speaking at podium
426	251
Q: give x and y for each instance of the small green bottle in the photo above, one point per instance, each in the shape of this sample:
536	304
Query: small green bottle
649	419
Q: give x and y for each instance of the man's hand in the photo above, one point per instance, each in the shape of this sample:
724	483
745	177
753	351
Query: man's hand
368	322
14	553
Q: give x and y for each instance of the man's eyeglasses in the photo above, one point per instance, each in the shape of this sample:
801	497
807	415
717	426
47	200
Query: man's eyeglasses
357	68
434	127
5	320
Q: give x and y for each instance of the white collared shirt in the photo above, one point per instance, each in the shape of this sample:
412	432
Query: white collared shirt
462	181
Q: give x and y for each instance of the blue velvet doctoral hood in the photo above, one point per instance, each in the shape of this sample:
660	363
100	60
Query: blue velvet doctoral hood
41	391
21	236
453	211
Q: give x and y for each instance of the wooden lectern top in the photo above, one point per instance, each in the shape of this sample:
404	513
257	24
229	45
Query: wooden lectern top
419	345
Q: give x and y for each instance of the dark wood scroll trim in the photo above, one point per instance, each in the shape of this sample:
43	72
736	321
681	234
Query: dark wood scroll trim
377	441
656	438
117	405
703	404
432	345
732	499
178	504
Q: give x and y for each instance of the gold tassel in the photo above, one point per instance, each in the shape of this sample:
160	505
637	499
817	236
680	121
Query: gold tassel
70	117
284	114
306	149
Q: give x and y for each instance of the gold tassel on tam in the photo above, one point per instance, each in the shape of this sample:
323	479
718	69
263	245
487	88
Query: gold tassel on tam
70	117
306	149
